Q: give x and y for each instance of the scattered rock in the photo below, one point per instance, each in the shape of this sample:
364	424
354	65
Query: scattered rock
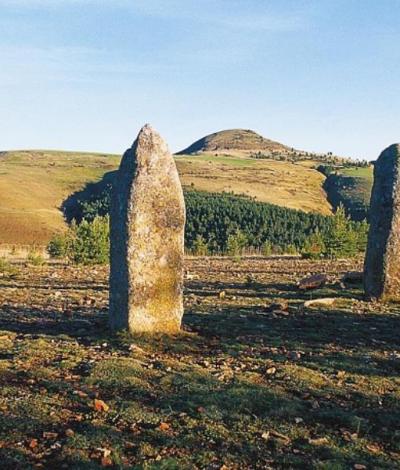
353	277
278	305
320	441
324	302
100	405
164	426
313	282
69	432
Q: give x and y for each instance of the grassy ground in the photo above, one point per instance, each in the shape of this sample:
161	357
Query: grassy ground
34	184
241	388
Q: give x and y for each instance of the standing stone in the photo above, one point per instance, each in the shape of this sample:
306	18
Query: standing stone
382	261
147	239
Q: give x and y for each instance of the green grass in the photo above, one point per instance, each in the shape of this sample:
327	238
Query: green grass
366	173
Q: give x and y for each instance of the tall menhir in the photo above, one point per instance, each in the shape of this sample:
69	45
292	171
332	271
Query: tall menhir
382	261
147	239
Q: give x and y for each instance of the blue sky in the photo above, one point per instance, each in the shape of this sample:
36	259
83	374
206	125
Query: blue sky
318	75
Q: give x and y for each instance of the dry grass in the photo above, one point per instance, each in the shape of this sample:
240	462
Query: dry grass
33	186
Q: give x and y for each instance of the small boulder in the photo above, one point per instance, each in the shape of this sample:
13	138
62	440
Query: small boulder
281	305
313	282
326	302
353	277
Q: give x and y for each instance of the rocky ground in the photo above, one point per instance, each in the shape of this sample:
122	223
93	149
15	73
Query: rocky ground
256	380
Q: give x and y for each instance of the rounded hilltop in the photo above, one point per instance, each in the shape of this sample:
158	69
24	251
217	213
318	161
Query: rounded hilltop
234	140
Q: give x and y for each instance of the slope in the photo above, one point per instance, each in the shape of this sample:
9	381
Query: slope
34	185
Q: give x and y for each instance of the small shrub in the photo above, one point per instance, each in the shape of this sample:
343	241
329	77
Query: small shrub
290	250
58	246
266	248
341	238
89	242
7	268
314	246
236	243
35	259
200	247
85	243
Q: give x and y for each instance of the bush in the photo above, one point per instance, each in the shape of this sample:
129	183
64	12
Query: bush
200	247
266	248
341	238
84	243
89	242
290	250
314	246
58	246
35	258
236	243
7	268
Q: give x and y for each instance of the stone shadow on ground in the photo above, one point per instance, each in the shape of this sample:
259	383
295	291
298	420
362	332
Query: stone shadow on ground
271	290
330	332
86	322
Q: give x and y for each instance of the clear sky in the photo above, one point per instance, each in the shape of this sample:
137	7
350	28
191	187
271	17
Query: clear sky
318	75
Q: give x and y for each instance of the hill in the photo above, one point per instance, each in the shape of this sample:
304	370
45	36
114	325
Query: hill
36	185
33	186
236	140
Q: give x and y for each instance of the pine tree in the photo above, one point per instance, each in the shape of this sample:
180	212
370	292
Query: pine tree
341	239
200	247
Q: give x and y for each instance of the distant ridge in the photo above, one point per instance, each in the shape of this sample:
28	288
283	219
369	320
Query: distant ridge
239	140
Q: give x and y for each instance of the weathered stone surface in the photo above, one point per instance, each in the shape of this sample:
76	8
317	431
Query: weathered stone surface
147	239
382	261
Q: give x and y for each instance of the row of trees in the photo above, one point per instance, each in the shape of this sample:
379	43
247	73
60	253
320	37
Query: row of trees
222	224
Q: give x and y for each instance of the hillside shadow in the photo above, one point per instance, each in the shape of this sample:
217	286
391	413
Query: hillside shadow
71	207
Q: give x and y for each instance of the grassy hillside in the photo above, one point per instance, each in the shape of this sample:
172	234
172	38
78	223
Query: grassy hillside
35	184
283	183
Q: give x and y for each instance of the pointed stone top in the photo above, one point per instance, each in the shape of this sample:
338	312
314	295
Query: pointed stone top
393	151
149	141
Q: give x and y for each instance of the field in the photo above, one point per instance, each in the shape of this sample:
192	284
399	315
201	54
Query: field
242	387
